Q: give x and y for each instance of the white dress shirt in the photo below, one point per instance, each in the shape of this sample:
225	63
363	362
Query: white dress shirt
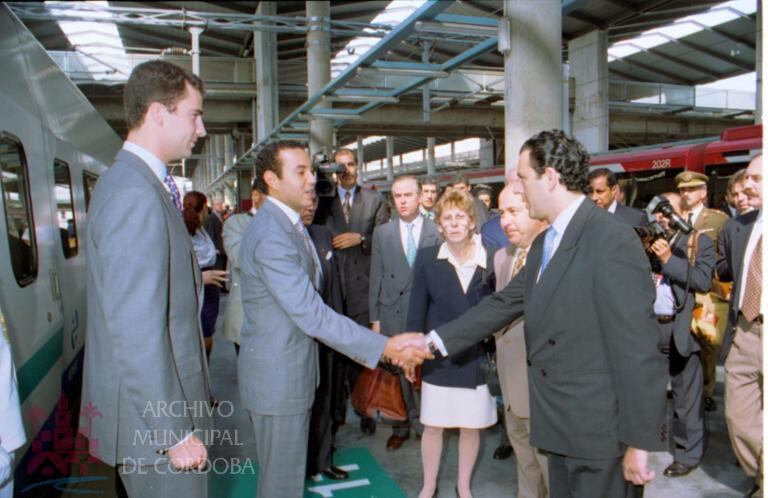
612	207
696	213
754	236
417	223
155	164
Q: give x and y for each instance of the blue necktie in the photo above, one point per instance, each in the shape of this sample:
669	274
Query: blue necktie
549	242
410	250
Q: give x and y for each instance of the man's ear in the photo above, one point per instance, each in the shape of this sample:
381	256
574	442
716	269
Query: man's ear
553	177
156	113
271	179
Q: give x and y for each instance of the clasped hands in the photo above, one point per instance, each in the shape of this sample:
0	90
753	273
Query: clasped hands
407	351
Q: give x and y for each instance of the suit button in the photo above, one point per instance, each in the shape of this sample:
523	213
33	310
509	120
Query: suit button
543	372
392	276
528	362
551	342
401	293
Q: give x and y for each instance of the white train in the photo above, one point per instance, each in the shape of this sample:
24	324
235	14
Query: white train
53	146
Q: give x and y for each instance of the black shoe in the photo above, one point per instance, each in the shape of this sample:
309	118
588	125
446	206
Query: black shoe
677	469
709	404
502	452
335	473
367	425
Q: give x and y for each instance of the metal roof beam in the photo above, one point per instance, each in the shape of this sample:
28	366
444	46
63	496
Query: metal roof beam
715	55
671	76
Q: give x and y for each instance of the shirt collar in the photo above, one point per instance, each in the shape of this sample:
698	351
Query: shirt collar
416	223
612	207
480	259
564	219
151	160
289	212
343	192
696	212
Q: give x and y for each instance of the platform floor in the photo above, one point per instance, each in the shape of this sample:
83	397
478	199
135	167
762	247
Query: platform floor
394	474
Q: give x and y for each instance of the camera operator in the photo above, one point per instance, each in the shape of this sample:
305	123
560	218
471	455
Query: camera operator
687	263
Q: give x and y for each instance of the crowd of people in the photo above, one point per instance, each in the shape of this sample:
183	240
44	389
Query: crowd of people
589	324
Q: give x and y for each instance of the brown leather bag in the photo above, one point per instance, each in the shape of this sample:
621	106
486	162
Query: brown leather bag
377	395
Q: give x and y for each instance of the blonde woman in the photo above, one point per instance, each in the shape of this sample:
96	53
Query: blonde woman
448	280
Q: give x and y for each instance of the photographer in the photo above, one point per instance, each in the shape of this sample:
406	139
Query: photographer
685	266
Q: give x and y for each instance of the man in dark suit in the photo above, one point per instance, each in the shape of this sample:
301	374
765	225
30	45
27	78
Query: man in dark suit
394	252
331	383
351	215
741	262
677	281
597	381
603	188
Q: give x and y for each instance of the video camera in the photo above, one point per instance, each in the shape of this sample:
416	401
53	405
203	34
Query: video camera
653	231
326	174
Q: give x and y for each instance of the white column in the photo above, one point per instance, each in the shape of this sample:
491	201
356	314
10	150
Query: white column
588	63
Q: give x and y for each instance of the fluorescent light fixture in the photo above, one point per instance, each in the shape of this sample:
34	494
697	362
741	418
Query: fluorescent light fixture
379	99
397	71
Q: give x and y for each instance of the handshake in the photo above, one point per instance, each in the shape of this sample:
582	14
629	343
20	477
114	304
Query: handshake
407	351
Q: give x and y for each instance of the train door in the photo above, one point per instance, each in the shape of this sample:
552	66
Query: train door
69	255
29	286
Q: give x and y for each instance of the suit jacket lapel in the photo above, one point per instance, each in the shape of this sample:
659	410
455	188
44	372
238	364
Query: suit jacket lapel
285	223
338	215
558	264
357	210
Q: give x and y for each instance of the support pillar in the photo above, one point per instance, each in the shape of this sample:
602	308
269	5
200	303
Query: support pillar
319	70
265	55
390	162
588	61
453	152
487	153
431	156
530	39
361	156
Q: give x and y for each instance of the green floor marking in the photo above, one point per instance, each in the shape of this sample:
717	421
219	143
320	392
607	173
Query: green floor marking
366	480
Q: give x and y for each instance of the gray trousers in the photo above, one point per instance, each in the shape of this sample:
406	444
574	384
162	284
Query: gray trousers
571	477
281	450
162	480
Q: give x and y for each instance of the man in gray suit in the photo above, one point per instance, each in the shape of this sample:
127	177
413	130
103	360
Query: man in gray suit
145	367
596	379
394	252
284	314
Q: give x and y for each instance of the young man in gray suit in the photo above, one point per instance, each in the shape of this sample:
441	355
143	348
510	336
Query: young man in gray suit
284	314
597	381
394	252
145	367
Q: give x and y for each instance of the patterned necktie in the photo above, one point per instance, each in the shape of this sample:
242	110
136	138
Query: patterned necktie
174	190
346	206
750	306
549	242
410	249
522	254
310	247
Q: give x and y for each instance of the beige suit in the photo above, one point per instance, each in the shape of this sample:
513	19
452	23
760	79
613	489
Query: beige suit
532	473
710	222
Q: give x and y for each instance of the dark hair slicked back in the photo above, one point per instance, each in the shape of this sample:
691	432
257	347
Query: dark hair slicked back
268	159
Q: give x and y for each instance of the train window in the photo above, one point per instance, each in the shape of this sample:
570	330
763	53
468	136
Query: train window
18	209
89	182
65	208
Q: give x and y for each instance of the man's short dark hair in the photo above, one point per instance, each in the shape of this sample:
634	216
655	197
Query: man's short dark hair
735	178
610	176
268	159
155	81
566	155
429	180
460	179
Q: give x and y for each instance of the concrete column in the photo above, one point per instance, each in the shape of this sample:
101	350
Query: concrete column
319	69
431	156
487	153
265	54
453	151
390	162
588	63
361	157
532	61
